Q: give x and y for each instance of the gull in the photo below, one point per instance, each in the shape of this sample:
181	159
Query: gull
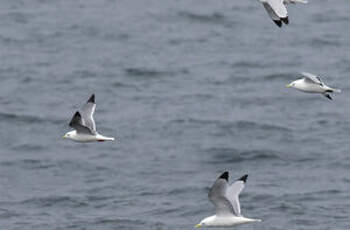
84	125
225	198
313	84
277	10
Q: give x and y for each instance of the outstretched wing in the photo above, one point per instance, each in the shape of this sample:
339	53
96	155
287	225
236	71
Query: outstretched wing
217	195
87	112
272	14
233	192
279	9
312	78
77	124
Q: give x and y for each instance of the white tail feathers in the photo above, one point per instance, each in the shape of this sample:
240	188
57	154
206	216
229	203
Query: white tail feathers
336	90
103	138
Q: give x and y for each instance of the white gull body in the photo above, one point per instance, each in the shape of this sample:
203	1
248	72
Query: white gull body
84	125
225	198
312	84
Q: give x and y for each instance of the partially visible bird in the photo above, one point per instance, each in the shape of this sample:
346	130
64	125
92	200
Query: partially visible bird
277	10
313	84
84	125
225	198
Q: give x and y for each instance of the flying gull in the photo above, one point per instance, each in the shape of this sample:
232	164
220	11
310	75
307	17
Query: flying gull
277	10
312	84
84	125
225	198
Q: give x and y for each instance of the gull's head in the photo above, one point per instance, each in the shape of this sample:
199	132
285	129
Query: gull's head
207	222
69	135
292	84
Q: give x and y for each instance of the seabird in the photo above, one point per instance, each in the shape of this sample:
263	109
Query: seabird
84	125
313	84
225	198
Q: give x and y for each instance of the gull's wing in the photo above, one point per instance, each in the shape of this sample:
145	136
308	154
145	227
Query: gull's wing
312	78
233	192
272	14
217	195
87	112
78	125
279	9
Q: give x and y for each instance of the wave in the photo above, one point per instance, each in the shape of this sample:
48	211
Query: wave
228	125
322	42
249	64
231	155
152	73
28	163
279	76
64	201
28	147
214	18
11	117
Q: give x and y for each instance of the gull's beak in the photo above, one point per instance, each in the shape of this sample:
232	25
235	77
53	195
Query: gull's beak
289	85
198	226
64	136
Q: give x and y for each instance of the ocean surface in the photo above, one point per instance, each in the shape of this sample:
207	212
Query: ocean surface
190	88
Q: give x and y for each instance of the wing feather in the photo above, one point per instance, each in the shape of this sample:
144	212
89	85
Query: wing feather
270	12
278	8
78	125
217	195
87	112
312	78
233	192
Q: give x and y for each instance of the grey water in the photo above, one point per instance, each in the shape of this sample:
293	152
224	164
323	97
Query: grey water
189	88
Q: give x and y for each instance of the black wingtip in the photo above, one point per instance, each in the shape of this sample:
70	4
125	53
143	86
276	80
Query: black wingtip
224	176
76	117
328	96
278	23
77	114
285	20
244	178
92	99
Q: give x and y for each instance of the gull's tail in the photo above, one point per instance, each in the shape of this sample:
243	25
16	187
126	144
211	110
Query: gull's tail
332	90
103	138
248	220
109	138
255	220
336	91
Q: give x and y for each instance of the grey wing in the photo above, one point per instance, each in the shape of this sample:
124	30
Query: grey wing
271	13
233	192
312	78
217	196
78	125
87	112
278	7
